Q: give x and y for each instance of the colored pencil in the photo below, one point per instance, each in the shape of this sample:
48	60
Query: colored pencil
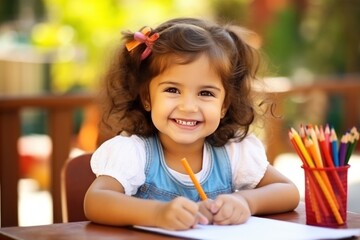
311	148
332	202
194	179
314	138
343	148
320	147
324	148
353	141
334	147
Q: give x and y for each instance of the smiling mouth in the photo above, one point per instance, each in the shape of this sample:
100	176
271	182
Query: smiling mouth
185	123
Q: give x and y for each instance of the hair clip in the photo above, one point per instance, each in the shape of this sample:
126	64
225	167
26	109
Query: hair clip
143	37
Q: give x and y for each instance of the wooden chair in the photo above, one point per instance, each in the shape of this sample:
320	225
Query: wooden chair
76	177
60	110
311	102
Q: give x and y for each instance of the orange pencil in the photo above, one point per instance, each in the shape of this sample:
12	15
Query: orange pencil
314	138
312	151
194	179
318	196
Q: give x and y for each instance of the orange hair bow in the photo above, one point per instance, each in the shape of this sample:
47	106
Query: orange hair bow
143	37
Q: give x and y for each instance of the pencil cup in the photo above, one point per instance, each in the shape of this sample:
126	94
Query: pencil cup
326	195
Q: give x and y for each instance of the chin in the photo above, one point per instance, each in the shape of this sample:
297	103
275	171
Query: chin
185	140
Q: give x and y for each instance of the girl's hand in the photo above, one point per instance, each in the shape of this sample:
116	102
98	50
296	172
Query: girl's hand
179	214
228	209
205	209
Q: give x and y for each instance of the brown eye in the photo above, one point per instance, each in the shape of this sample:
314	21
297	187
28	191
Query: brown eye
206	94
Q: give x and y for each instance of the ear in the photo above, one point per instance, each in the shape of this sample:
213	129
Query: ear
146	104
145	98
147	107
225	107
223	112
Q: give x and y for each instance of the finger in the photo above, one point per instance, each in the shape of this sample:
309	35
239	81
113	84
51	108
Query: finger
187	220
208	202
177	222
189	206
189	215
204	208
223	219
201	219
225	214
216	205
233	220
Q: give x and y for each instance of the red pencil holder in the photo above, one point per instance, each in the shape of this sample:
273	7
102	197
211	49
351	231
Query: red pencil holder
326	195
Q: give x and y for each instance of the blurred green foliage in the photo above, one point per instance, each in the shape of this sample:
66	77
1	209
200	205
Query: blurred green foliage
284	44
84	32
321	36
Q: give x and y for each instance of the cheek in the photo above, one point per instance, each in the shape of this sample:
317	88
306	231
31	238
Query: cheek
156	119
160	106
159	111
213	114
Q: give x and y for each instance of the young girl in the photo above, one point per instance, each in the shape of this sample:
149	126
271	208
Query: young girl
183	90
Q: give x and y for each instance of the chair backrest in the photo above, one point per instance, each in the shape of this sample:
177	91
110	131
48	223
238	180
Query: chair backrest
76	177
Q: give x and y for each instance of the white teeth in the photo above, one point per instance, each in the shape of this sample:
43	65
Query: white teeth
186	123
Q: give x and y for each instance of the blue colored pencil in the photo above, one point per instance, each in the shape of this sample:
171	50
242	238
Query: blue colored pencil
334	147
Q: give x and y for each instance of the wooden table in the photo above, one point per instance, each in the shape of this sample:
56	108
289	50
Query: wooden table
89	231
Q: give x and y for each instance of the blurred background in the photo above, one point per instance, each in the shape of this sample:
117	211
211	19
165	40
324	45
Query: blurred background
62	46
316	38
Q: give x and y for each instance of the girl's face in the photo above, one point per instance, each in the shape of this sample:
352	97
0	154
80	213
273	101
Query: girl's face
187	102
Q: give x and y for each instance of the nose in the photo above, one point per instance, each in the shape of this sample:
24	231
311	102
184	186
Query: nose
188	104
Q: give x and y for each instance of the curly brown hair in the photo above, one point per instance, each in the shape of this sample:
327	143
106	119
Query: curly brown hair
181	41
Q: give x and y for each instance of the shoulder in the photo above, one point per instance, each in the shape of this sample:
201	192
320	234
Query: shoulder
249	145
248	161
118	150
121	142
123	158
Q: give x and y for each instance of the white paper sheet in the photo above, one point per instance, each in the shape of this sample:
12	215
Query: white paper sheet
260	228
